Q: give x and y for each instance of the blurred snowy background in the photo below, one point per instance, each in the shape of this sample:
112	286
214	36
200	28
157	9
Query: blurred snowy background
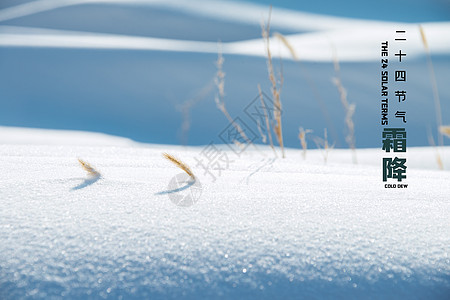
144	69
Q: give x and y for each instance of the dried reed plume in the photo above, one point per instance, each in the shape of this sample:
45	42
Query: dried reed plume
349	108
89	169
302	136
219	98
323	144
445	130
276	88
179	164
266	116
437	102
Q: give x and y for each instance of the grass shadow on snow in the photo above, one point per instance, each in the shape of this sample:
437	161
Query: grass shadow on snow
87	182
178	189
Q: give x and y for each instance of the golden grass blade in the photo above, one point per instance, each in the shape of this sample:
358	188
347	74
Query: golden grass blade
179	164
88	168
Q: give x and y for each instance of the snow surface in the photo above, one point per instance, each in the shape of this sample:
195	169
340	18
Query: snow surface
266	228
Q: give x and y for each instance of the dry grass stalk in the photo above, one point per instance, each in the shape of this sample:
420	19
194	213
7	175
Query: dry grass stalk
220	79
239	144
437	102
349	108
438	155
179	164
263	136
88	168
309	81
276	88
185	109
439	160
323	144
287	44
302	136
445	130
266	116
219	98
